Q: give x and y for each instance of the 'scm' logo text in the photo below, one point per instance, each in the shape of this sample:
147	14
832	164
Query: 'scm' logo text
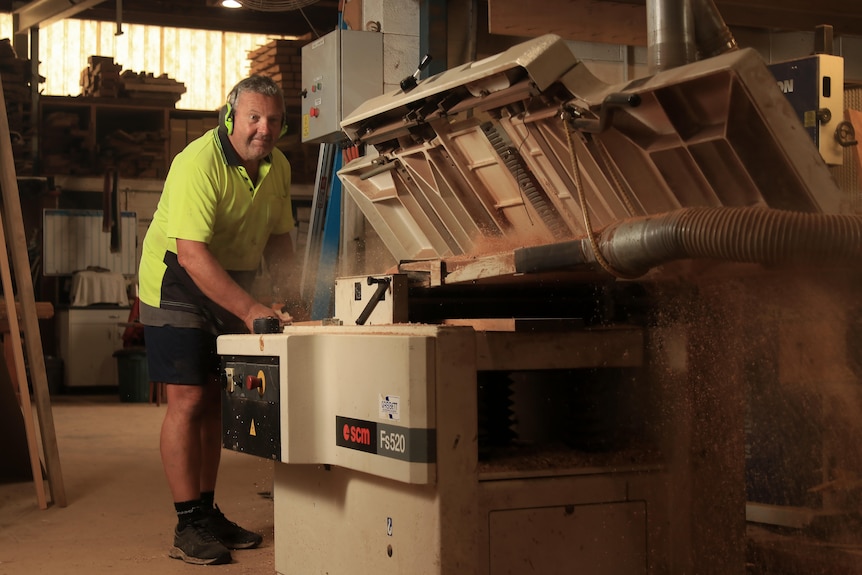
354	434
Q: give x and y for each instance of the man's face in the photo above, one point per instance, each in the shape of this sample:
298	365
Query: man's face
257	124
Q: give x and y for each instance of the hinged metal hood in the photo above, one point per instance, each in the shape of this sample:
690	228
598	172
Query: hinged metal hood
517	149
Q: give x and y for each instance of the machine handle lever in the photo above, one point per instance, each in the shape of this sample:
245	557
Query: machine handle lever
382	286
411	81
622	100
426	59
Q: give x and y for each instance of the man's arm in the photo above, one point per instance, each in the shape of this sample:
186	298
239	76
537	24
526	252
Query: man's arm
216	284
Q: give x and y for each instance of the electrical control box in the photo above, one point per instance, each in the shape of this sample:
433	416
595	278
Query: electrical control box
814	85
340	71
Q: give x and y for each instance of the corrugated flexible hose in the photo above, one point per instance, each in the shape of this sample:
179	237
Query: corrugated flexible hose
747	235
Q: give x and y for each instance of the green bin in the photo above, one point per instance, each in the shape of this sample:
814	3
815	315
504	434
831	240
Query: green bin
133	375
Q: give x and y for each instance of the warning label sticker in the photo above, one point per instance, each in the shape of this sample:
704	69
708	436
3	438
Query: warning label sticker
390	407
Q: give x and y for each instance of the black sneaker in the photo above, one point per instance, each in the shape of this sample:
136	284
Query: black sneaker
196	545
229	533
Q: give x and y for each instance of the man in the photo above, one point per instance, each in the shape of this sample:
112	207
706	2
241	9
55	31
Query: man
225	206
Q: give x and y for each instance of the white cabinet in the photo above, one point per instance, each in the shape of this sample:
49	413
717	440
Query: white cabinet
88	339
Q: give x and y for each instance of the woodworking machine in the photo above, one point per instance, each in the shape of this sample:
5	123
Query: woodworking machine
512	398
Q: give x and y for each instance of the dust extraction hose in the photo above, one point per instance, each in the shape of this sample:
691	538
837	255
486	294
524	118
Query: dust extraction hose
751	235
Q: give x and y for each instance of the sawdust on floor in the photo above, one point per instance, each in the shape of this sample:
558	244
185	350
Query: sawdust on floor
119	517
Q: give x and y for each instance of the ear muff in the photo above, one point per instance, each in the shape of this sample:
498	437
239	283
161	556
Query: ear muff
227	117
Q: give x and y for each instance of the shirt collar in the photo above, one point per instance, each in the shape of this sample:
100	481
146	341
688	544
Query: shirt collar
231	158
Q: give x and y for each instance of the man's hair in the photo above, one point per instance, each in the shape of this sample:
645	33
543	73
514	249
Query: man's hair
257	84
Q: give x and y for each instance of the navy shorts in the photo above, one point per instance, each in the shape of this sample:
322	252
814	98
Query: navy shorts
182	355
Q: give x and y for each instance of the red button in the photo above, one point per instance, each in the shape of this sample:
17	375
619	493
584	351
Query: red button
252	382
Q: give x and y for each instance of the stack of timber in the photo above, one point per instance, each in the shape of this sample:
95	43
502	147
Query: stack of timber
134	154
64	144
129	144
146	85
281	60
15	73
101	78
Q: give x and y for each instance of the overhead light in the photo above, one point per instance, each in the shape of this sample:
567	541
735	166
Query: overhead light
230	4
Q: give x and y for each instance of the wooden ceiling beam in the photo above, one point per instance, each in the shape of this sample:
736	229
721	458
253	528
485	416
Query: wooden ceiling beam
624	22
585	20
794	15
274	23
320	17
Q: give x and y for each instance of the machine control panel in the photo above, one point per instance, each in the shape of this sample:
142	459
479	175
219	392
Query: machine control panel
814	85
250	418
340	71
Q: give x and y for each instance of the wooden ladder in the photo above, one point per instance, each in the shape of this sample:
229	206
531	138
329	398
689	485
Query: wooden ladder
13	240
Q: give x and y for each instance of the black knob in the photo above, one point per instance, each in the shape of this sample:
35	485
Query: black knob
267	325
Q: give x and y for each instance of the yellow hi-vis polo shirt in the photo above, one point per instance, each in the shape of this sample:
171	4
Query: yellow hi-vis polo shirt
209	197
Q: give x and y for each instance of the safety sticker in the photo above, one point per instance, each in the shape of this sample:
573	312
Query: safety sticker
390	407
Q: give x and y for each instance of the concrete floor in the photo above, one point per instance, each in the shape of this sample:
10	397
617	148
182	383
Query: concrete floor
119	517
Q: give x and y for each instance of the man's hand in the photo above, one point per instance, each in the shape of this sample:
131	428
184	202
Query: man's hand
284	317
259	310
298	310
